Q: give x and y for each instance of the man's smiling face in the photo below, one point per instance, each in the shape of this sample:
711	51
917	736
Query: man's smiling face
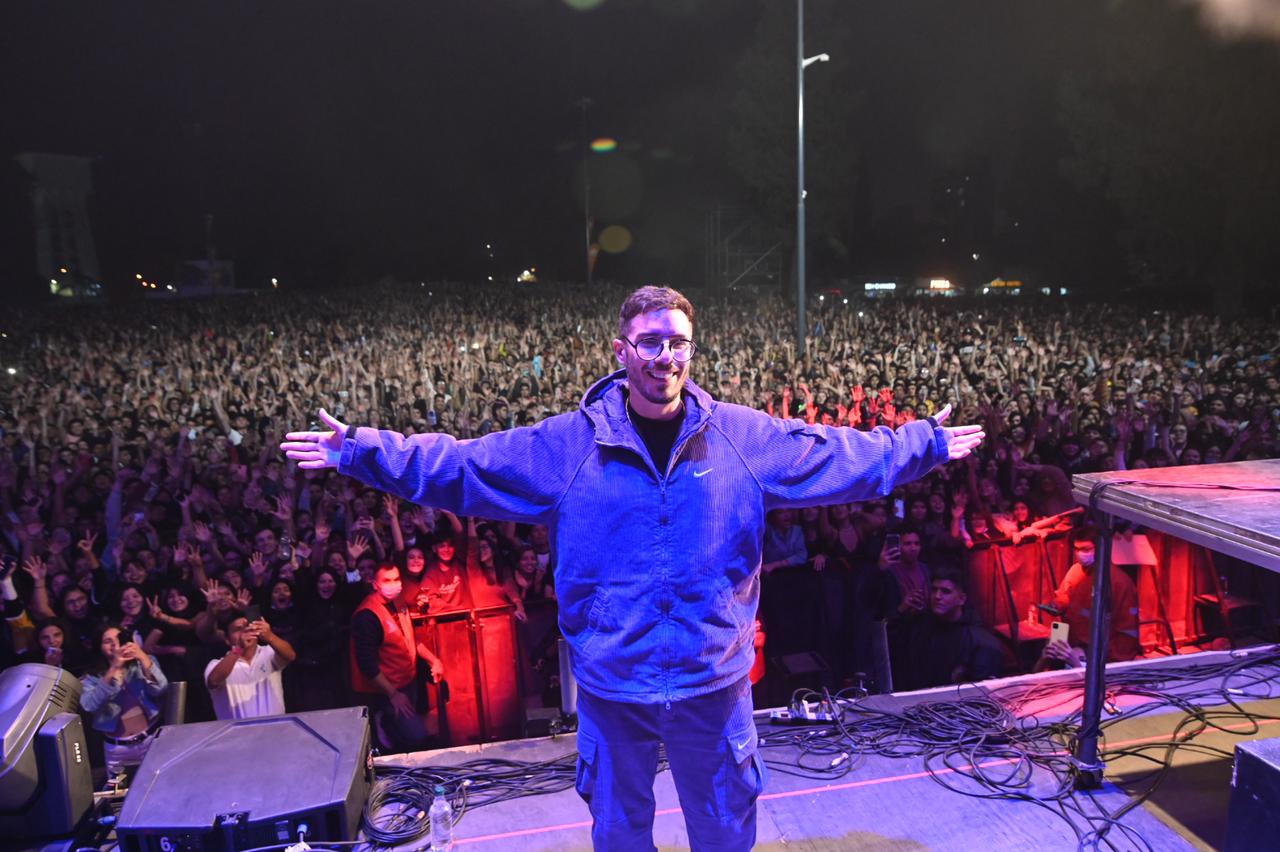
655	385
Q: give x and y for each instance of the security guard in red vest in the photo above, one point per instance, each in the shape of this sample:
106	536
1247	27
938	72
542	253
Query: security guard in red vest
384	661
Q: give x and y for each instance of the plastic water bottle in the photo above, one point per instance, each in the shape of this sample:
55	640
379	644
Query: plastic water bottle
441	816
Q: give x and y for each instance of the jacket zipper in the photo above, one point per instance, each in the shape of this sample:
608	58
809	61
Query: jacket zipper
662	491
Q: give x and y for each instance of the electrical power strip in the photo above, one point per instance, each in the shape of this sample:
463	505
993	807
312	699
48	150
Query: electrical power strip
805	713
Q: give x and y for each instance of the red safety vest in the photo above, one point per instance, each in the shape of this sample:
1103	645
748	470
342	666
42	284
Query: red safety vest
398	656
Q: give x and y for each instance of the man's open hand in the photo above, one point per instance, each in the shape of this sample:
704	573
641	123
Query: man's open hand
961	440
316	450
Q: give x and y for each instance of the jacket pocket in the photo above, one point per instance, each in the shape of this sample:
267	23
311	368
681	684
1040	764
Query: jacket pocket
747	773
585	780
597	618
734	610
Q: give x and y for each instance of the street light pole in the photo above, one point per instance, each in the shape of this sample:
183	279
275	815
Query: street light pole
584	103
801	64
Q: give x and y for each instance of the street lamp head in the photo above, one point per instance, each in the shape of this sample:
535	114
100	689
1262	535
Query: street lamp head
821	57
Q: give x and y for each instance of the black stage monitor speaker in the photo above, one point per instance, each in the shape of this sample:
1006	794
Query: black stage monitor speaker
244	783
804	670
1253	820
46	785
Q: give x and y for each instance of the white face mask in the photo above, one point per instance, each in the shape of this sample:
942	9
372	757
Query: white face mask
1085	559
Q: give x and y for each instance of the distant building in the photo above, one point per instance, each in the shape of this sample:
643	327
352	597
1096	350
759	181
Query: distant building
1017	287
1002	287
892	286
881	287
937	287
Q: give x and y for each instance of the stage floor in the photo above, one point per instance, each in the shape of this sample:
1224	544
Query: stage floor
894	803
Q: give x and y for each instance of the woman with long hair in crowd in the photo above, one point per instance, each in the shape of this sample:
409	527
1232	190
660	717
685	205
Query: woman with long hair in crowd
172	634
322	641
281	610
284	616
122	692
810	520
47	645
532	580
411	575
131	609
489	577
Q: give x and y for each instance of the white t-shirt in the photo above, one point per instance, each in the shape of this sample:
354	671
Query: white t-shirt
254	687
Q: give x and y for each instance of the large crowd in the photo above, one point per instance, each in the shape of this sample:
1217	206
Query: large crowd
147	508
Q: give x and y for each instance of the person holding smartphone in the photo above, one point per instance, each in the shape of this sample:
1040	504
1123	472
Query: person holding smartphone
122	692
1073	599
902	587
246	682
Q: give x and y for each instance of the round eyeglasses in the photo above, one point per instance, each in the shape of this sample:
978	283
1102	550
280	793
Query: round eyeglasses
649	348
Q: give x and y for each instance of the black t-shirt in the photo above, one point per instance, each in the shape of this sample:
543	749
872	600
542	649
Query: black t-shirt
659	436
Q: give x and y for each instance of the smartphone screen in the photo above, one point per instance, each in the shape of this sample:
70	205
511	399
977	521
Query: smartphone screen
898	508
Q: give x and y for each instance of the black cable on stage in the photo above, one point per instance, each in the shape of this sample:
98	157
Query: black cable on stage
398	806
980	744
979	747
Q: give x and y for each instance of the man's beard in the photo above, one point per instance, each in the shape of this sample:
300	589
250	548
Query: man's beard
653	390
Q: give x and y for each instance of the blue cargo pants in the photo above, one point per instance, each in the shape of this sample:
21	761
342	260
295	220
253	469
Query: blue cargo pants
712	751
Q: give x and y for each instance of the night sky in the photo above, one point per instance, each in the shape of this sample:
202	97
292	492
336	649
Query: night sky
338	141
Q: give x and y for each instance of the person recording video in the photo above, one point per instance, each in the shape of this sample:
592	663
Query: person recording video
122	692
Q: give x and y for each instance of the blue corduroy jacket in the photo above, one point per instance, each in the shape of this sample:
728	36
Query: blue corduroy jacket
657	571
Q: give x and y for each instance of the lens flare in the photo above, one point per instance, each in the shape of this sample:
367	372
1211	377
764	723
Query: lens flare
615	239
1242	17
604	145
